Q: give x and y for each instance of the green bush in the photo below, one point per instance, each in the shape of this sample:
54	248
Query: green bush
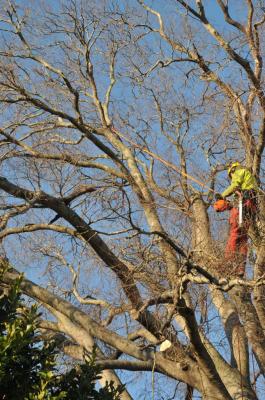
29	367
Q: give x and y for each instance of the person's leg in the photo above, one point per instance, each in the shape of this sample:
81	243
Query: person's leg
236	247
231	245
242	252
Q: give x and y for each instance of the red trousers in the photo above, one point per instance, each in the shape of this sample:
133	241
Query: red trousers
237	243
237	239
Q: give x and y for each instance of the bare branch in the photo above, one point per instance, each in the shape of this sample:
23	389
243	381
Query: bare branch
229	20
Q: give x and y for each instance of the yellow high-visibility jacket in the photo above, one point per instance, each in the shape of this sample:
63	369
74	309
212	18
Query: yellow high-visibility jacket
242	179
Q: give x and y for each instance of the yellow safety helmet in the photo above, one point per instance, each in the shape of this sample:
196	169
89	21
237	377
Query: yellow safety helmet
232	167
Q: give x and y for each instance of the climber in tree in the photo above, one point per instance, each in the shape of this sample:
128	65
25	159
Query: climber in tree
244	188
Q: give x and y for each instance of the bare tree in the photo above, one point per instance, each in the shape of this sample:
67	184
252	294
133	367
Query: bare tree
118	120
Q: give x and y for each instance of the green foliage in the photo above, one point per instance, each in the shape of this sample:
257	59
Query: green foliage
79	384
28	368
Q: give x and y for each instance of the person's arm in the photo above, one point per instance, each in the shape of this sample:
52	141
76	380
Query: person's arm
237	179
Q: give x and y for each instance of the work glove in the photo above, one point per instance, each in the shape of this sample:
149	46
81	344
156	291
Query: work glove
218	196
